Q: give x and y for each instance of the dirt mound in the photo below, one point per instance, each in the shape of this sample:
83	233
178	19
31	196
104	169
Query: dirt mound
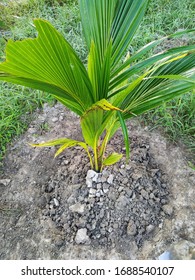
59	209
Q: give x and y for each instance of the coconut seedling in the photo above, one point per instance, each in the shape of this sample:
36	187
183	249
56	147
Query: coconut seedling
109	90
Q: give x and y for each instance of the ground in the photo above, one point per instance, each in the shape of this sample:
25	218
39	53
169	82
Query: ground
59	209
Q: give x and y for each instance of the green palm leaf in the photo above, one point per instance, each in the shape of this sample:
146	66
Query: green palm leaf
168	80
119	76
108	92
112	26
49	63
128	16
114	21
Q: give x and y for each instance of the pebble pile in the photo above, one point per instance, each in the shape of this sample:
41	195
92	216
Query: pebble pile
127	201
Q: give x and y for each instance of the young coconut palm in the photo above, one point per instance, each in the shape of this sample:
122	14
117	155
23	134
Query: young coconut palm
108	92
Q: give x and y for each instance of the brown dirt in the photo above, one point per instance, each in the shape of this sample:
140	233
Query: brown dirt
29	231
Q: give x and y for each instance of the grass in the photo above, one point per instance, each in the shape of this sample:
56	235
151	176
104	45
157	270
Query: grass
17	105
16	102
176	118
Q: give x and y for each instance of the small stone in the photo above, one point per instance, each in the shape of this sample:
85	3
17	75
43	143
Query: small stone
168	209
54	119
32	130
101	213
71	199
150	228
105	190
122	172
81	222
157	199
122	201
154	171
56	202
42	201
158	182
125	181
103	179
89	183
52	212
98	194
131	228
151	202
133	196
112	195
5	182
102	231
160	225
163	201
78	208
95	178
144	194
129	193
151	195
121	189
91	174
92	191
110	179
49	189
93	226
105	173
82	237
92	201
100	203
110	229
66	226
99	186
105	185
136	176
101	192
81	199
115	226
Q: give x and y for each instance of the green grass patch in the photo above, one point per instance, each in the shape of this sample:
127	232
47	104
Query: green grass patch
17	105
176	119
16	102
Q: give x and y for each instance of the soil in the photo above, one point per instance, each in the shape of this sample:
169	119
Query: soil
60	209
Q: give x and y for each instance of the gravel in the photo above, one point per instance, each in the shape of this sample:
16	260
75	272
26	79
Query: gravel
124	201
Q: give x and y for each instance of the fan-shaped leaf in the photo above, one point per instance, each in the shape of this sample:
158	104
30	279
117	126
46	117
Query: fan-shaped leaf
49	63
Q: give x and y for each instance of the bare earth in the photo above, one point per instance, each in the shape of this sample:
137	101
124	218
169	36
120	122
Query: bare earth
133	211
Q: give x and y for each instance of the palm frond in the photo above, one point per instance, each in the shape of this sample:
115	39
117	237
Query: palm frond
168	80
49	63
